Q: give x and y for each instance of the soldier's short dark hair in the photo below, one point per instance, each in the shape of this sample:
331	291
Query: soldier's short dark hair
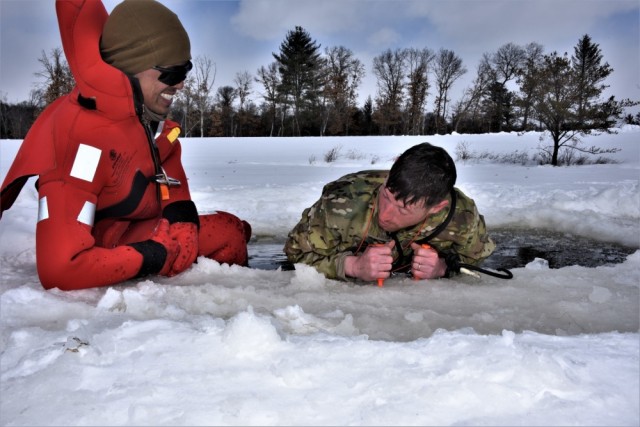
422	173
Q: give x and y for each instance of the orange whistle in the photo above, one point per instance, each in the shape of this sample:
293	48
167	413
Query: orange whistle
164	191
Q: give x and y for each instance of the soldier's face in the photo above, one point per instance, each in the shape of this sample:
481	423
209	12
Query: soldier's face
394	215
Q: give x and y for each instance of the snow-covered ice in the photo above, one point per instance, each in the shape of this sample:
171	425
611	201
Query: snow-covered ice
221	345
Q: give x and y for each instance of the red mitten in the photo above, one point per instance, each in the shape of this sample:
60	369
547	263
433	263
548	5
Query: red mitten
161	235
186	234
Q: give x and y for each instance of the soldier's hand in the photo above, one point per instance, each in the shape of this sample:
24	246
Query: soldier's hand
374	263
426	263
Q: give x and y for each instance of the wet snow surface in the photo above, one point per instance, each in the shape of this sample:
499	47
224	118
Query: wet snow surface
556	345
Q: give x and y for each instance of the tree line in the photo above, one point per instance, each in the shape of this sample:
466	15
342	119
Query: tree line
309	91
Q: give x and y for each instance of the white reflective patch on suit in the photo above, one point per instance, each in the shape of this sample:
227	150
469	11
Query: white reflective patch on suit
87	214
86	162
43	209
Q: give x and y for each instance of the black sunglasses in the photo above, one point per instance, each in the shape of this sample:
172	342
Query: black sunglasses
171	76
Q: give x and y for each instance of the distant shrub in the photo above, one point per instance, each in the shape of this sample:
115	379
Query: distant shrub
355	155
604	161
333	154
463	153
516	157
568	156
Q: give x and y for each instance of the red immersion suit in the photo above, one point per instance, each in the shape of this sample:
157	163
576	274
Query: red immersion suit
101	186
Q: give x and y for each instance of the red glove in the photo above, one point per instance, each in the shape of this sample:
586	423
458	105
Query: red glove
161	235
186	234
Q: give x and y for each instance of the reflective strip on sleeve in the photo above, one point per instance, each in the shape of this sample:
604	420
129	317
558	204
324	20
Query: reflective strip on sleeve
87	214
173	135
86	162
43	209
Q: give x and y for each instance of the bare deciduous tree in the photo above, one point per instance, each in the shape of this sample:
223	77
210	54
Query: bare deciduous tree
507	62
270	80
193	105
448	68
57	76
534	53
344	73
243	90
203	76
468	107
389	67
419	66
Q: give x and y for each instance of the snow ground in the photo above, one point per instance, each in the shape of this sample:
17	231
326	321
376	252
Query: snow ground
244	346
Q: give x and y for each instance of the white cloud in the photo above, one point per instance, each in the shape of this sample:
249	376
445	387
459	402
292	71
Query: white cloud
495	22
383	38
271	19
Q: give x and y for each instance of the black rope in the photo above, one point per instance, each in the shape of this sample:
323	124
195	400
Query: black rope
440	228
506	274
452	260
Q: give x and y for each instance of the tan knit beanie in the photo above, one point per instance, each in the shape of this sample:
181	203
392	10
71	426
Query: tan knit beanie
142	34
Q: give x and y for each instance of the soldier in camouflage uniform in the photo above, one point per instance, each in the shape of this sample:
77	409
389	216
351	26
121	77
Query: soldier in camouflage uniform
369	224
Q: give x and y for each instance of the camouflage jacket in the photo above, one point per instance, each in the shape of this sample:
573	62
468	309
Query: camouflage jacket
344	221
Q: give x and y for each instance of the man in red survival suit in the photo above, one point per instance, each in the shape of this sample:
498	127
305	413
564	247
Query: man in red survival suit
114	203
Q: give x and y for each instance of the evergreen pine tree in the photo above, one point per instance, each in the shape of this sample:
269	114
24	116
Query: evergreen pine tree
299	65
589	73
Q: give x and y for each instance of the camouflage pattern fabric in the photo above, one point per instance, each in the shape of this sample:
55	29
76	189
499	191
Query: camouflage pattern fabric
344	220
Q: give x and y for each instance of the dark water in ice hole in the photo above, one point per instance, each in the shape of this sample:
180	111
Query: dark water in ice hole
515	248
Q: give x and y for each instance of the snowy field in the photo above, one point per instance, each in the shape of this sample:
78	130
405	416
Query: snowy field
220	345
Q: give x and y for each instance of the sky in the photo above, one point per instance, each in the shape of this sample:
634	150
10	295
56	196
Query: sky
242	35
229	345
